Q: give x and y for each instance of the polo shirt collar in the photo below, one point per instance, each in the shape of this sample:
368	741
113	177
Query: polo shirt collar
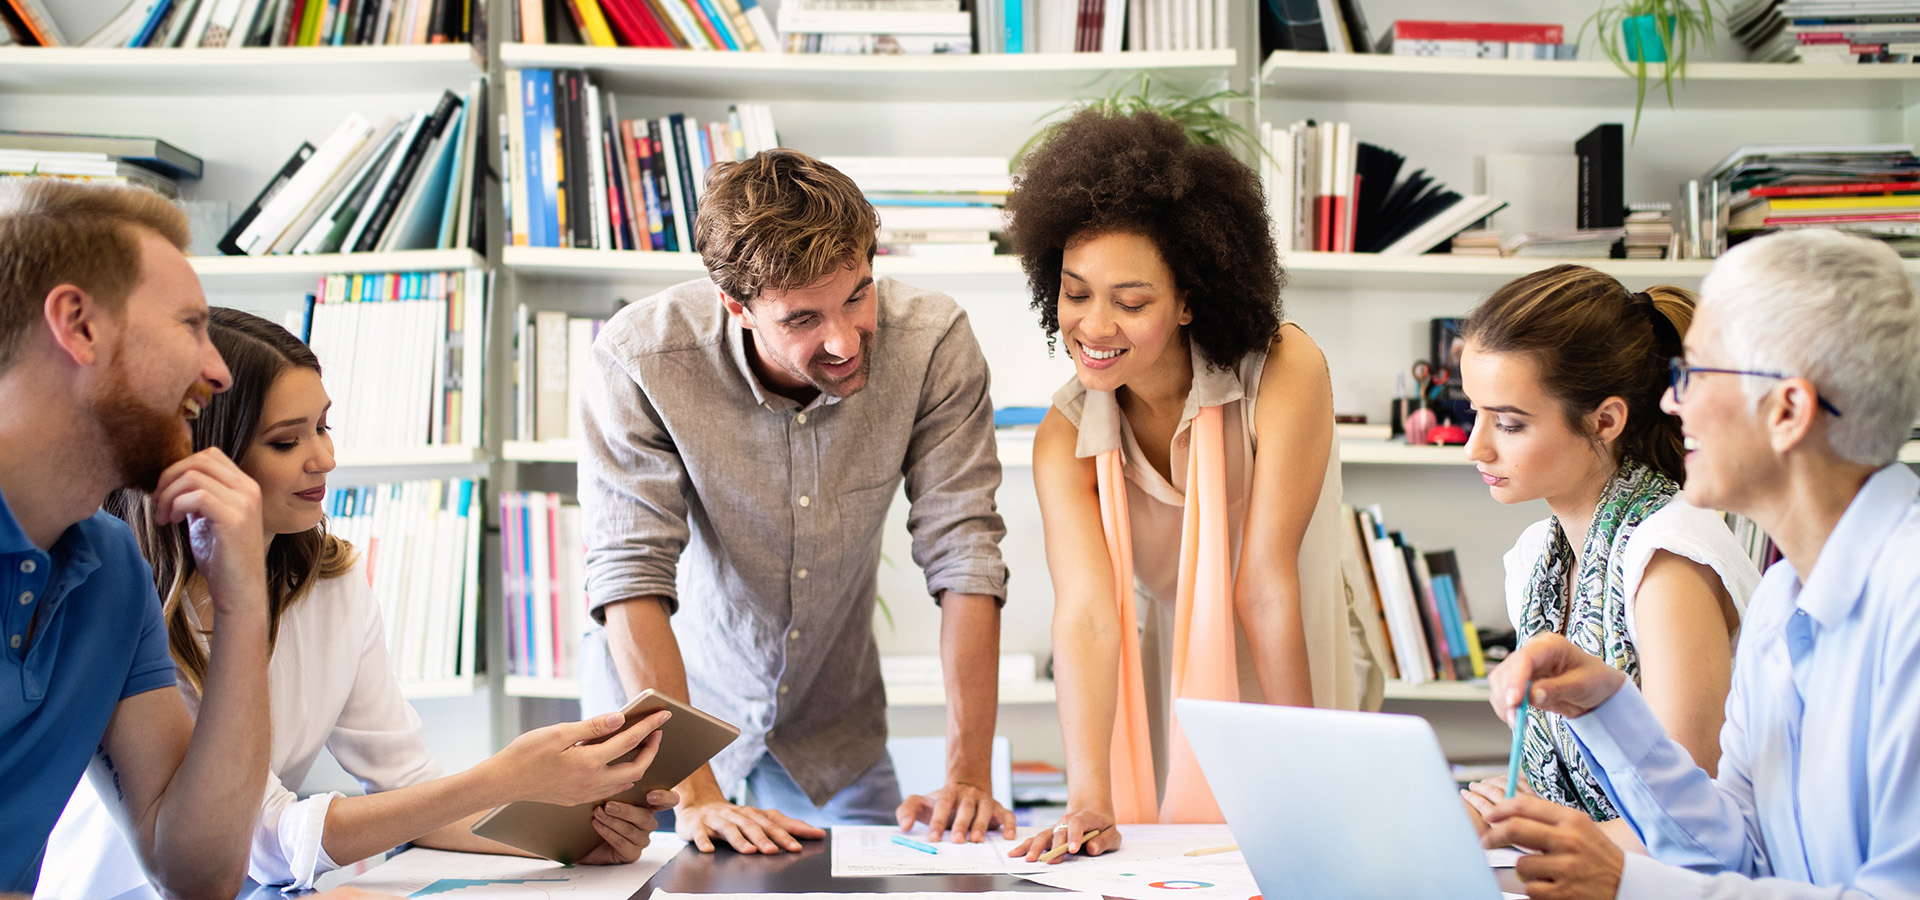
1838	580
1100	412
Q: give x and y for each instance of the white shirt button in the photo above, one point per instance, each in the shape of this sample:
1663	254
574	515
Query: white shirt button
801	418
805	501
783	690
26	597
802	574
793	635
28	566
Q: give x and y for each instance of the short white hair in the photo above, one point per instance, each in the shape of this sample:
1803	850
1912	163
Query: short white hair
1833	308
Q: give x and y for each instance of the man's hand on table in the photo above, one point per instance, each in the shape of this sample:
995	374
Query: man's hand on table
745	828
960	812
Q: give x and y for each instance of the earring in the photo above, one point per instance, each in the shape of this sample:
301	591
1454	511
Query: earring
1052	344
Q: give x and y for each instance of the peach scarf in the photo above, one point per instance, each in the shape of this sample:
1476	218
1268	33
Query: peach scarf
1203	651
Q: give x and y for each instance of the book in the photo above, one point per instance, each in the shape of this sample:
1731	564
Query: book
1602	182
288	202
432	130
1455	218
151	153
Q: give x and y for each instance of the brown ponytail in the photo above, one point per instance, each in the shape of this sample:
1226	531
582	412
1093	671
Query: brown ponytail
1592	339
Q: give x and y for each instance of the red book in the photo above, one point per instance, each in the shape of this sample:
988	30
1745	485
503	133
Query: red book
632	24
1323	213
706	25
1511	32
1824	190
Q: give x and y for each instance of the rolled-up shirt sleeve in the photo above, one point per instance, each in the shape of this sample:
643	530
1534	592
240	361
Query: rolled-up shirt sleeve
633	485
952	471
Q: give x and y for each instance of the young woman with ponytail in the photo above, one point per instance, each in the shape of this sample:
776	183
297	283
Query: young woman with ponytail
1565	368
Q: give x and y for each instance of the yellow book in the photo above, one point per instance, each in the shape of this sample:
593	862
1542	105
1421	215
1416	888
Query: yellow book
598	34
1851	201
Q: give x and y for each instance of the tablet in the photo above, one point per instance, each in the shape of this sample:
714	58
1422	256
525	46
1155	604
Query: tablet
564	834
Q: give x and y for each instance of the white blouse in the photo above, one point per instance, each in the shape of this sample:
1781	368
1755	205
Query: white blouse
1679	528
331	686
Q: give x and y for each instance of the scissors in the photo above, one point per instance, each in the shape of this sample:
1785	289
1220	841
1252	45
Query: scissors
1431	379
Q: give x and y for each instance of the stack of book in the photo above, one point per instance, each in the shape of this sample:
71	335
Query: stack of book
553	355
1476	40
739	25
578	175
941	206
146	162
1872	189
399	184
400	355
420	541
1828	31
1414	609
1328	192
1477	242
279	23
875	26
1569	243
1649	230
543	561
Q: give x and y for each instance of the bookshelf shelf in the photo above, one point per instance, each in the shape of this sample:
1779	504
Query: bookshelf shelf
1441	271
236	272
936	695
1373	78
793	76
433	690
541	451
1459	691
556	688
377	457
1395	453
628	265
278	71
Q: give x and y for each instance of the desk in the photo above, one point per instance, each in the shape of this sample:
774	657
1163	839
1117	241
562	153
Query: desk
809	871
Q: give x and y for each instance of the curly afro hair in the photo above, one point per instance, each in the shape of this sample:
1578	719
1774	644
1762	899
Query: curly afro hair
1101	172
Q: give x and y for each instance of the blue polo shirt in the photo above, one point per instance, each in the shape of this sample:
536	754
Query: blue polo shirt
98	639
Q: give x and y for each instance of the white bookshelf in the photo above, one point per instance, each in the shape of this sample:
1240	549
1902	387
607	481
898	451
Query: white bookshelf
437	690
299	272
906	78
555	688
383	457
278	71
1384	78
626	266
1450	691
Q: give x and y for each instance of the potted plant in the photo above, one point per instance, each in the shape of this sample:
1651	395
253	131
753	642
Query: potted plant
1202	116
1634	33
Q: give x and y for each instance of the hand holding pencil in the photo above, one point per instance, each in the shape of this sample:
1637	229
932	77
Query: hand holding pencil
1551	673
1088	832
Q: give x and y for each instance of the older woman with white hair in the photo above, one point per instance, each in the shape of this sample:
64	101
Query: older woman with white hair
1799	386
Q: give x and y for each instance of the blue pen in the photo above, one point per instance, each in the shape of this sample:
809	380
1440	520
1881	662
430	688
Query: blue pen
921	846
1519	738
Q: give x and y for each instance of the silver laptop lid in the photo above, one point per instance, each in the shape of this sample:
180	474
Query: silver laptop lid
1329	804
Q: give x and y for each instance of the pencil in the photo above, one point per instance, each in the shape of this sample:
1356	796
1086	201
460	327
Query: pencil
1209	851
1055	853
1519	739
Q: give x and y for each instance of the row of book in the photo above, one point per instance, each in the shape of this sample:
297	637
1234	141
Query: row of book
1414	605
683	24
420	541
400	356
933	206
1329	192
553	354
579	175
96	159
399	184
257	23
1827	31
1869	189
543	561
1476	40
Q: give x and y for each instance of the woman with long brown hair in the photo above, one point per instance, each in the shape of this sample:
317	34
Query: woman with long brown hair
331	684
1565	368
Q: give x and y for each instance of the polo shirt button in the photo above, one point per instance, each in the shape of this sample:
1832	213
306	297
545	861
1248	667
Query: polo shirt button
805	501
801	418
28	566
15	642
802	574
783	691
26	597
793	635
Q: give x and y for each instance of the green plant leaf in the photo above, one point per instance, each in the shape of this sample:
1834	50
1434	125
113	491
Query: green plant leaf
1202	116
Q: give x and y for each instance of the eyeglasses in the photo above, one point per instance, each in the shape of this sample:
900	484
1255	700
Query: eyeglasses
1679	374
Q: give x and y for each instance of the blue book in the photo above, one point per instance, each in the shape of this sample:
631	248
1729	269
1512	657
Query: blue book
720	24
1449	603
1016	26
550	152
451	208
153	21
530	80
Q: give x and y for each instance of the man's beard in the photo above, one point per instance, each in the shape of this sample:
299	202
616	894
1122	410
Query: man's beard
816	374
144	441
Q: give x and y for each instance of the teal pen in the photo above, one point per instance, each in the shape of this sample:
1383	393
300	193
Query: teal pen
921	846
1519	738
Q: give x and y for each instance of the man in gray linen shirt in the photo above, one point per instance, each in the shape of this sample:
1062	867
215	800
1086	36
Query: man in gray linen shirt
744	436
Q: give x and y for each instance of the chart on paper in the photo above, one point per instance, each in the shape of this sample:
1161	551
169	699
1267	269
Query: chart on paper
446	875
861	851
1152	864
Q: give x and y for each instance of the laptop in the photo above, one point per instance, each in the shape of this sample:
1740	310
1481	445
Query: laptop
1330	804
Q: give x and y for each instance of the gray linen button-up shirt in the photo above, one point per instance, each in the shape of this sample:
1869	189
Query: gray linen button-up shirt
761	519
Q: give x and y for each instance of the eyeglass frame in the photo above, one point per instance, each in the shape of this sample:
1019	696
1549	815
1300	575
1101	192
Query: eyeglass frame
1679	374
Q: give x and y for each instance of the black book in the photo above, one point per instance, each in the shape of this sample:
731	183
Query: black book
1300	22
229	243
563	161
1379	170
409	166
1602	194
1355	19
579	160
561	29
357	195
657	169
690	195
476	223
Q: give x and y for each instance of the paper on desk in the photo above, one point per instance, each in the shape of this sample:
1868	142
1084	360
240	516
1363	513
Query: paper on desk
425	873
861	851
1152	864
903	895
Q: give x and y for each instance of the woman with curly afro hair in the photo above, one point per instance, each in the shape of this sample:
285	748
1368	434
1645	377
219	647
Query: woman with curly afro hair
1191	461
